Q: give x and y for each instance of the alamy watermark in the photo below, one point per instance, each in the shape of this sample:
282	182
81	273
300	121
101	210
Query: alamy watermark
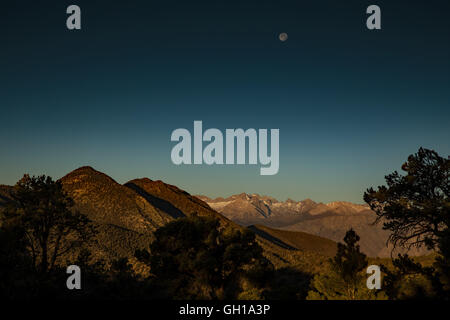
213	153
373	21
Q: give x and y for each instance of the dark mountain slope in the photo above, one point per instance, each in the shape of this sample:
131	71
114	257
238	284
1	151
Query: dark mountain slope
173	200
297	240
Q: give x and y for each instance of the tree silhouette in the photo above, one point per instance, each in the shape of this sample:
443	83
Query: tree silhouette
195	258
416	209
15	263
346	279
40	211
349	261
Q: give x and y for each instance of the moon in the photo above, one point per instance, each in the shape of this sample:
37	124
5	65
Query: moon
283	36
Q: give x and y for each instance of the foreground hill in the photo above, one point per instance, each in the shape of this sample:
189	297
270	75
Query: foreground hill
125	220
106	201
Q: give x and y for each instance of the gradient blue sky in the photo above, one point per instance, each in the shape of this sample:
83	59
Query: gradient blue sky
351	104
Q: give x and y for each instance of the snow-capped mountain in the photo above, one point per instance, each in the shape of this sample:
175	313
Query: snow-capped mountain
248	209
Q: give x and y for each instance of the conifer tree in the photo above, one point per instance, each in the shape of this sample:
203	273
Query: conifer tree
346	279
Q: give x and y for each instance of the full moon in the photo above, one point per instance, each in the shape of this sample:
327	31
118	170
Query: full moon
283	37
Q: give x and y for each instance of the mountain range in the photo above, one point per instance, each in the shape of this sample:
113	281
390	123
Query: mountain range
290	232
327	220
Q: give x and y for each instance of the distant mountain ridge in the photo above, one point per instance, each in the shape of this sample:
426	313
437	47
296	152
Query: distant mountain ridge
248	209
330	220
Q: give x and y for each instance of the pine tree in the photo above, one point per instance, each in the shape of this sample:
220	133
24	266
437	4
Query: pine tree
346	279
415	208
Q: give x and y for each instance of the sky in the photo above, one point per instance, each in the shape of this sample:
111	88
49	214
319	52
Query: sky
351	104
